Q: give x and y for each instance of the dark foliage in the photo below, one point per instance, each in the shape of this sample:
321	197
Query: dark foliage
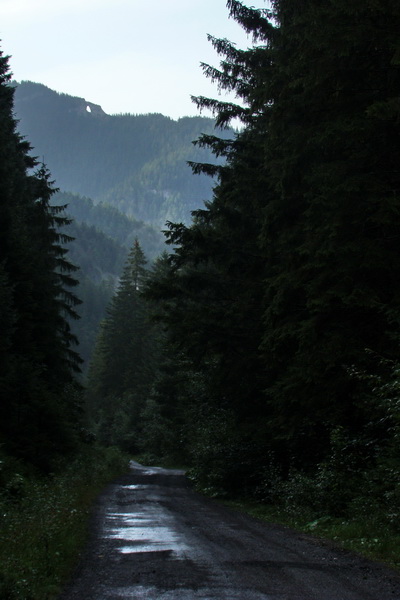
39	410
123	364
279	285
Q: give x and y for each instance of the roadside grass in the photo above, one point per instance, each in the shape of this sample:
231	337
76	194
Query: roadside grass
44	524
370	536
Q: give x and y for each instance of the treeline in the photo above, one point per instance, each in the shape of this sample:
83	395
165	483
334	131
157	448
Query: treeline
277	310
136	163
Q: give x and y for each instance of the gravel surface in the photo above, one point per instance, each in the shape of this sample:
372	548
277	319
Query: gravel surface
154	538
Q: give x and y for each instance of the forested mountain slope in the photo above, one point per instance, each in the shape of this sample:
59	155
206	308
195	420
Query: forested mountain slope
102	236
137	163
113	224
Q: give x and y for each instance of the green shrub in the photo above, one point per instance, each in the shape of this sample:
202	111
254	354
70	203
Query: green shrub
43	522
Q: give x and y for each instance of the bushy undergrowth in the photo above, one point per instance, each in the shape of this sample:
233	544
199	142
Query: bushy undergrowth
368	528
359	508
43	521
351	496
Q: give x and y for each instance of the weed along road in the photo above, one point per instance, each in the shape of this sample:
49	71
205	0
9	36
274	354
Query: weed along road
154	538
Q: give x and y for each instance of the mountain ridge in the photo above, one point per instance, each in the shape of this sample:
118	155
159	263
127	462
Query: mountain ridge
137	163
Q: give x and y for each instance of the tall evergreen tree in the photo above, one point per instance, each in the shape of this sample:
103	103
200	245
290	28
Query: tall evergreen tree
298	250
330	231
37	360
213	292
120	375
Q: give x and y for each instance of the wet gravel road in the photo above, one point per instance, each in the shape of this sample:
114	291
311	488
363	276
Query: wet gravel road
154	538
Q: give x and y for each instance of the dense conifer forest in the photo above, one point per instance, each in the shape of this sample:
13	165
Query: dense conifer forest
276	310
260	346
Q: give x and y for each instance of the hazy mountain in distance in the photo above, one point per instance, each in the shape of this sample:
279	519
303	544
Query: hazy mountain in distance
137	163
112	223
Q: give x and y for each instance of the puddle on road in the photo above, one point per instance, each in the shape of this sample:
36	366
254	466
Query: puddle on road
146	529
217	593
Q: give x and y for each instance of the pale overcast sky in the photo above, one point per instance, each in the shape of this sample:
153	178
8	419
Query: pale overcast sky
135	56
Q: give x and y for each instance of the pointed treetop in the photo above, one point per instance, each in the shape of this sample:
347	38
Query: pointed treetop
135	272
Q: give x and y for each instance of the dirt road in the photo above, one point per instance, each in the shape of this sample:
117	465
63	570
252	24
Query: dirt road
155	539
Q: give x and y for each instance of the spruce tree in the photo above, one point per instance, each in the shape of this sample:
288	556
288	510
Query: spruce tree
214	289
330	231
120	375
37	420
299	248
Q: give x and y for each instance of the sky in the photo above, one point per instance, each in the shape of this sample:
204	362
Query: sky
129	56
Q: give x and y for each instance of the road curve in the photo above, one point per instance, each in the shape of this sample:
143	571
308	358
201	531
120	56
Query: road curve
154	538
